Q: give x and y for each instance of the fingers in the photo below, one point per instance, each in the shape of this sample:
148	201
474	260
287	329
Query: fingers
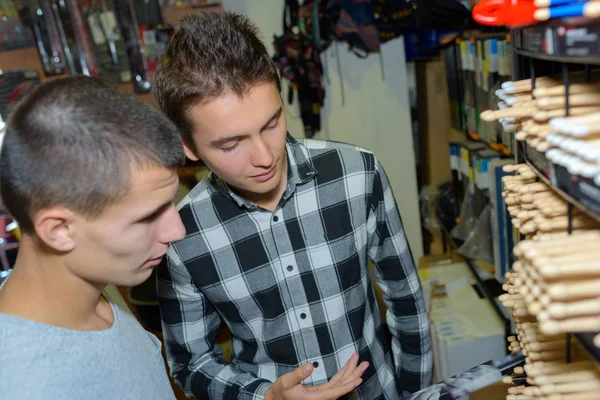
338	390
348	368
356	373
293	378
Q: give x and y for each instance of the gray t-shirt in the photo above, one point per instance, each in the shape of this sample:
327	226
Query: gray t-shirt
39	361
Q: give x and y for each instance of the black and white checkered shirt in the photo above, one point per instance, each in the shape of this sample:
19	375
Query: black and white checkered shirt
293	286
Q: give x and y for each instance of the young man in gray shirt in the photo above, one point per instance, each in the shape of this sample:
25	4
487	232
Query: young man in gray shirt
89	172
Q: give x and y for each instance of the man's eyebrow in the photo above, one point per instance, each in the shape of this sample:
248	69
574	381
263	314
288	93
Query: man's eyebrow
274	117
224	140
154	211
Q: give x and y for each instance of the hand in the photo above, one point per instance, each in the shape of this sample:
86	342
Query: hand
289	387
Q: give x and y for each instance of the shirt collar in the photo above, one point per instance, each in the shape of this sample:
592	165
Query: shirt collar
300	171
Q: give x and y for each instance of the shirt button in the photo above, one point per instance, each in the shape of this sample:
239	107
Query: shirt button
316	364
275	218
290	268
303	316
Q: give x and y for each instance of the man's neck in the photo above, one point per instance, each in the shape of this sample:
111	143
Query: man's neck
41	289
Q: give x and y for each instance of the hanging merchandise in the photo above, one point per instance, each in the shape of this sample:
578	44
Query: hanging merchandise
298	59
393	18
356	25
40	20
13	34
365	25
107	41
130	30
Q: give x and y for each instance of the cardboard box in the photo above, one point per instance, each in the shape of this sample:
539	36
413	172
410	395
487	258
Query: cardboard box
434	122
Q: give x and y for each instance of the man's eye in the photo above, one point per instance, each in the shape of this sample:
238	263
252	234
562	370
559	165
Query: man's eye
230	148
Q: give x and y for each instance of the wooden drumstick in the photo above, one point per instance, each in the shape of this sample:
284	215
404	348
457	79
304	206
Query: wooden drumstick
521	136
535	307
518	397
523	103
578	238
572	255
582	129
530	197
544	346
514	380
559	90
545	115
551	369
581	269
493	115
533	188
527	206
584	99
572	396
576	308
516	389
515	178
544	147
547	355
578	222
518	371
581	324
586	386
524	85
545	134
574	290
576	376
525	215
515	167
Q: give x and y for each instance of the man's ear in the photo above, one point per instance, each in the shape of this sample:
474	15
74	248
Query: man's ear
189	153
55	227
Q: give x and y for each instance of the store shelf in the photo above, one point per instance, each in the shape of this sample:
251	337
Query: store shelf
550	180
570	40
586	339
459	136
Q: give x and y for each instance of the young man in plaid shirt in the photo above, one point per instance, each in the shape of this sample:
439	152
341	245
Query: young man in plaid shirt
279	239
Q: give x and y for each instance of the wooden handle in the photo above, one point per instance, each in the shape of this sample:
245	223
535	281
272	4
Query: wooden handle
543	346
573	396
587	386
576	308
578	222
574	290
584	99
545	115
582	269
490	115
559	90
575	376
551	369
585	253
534	187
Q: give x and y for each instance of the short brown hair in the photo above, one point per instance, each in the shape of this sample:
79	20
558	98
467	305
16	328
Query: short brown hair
74	142
210	54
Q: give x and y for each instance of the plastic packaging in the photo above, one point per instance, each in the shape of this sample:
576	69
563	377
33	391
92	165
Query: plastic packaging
478	244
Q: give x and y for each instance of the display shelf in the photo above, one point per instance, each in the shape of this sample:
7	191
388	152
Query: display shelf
546	176
549	176
459	136
569	40
587	341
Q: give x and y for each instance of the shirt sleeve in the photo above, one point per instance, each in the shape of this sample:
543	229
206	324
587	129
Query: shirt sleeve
396	274
190	326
